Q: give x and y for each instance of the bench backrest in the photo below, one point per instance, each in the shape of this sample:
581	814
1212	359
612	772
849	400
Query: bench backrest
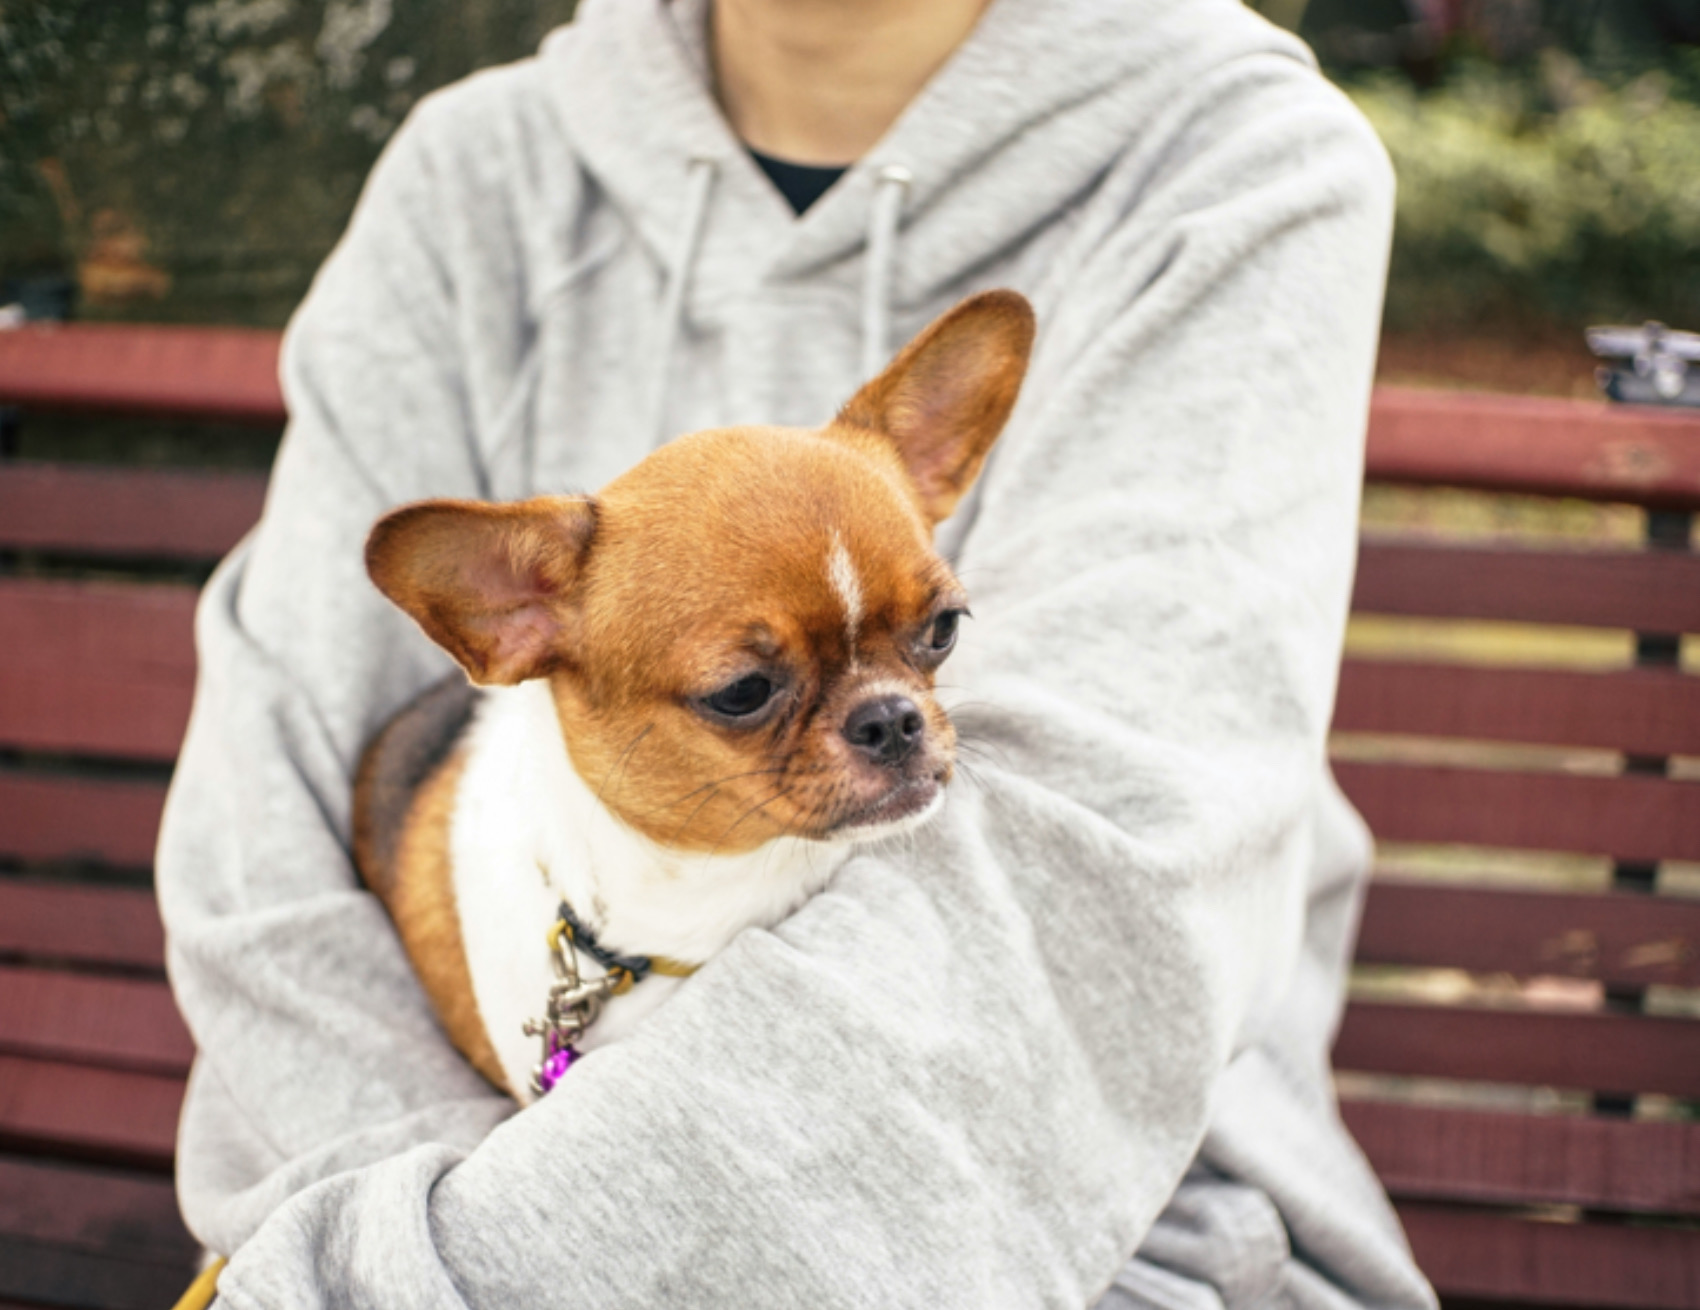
97	588
1525	1009
1583	1195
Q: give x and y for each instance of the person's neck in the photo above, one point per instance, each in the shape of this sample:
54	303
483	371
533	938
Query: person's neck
820	81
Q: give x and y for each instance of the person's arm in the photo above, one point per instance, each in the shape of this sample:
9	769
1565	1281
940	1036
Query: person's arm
973	1070
317	1051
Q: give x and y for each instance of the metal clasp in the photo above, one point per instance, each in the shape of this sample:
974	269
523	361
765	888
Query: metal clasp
572	1006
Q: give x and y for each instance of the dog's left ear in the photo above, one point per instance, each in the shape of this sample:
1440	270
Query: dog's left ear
945	398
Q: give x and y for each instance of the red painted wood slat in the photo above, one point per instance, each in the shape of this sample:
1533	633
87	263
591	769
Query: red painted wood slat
96	668
1623	939
72	1234
45	817
88	1280
1642	711
1536	445
1596	1052
81	1206
185	372
116	1023
82	925
1645	591
1513	443
1424	1152
115	1117
1630	817
189	514
1468	1254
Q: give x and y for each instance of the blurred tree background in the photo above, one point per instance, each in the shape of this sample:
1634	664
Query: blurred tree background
193	160
1548	154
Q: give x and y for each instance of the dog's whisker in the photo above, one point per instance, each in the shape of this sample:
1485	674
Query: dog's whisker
620	764
973	775
717	782
751	811
692	816
980	752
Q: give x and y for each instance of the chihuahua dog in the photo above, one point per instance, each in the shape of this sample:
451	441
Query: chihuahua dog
695	693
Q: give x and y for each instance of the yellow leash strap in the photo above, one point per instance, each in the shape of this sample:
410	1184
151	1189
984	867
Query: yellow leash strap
203	1289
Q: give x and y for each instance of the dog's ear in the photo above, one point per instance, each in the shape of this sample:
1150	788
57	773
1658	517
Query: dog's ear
945	398
494	585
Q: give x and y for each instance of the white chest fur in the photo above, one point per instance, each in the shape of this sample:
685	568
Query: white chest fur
528	833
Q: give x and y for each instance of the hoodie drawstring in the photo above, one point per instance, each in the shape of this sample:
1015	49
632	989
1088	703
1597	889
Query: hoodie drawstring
883	218
701	180
502	478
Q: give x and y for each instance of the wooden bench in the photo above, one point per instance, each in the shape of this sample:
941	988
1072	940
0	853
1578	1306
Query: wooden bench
1589	1195
97	585
1532	1109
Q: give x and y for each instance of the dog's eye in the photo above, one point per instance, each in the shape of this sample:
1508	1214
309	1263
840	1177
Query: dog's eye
944	631
740	699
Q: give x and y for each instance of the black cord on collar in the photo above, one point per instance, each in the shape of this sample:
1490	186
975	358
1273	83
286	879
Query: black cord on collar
638	966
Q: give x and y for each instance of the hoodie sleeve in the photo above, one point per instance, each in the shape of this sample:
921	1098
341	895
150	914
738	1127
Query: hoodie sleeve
972	1071
317	1051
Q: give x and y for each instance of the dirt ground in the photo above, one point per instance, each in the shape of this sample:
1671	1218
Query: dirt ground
1547	363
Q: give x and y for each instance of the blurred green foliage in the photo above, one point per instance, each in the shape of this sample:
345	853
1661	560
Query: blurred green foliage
1542	196
194	160
1548	153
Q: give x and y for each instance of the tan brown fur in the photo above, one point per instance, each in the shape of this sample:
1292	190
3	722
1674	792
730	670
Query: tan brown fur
676	605
403	799
422	904
395	765
675	601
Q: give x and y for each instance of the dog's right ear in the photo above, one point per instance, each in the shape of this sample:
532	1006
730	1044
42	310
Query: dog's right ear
942	402
494	585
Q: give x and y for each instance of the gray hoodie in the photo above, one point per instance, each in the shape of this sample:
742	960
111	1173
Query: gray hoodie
971	1073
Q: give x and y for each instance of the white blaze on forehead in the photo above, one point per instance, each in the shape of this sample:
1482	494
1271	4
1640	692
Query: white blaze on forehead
841	571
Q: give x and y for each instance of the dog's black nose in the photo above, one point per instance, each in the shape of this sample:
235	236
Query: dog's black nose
886	729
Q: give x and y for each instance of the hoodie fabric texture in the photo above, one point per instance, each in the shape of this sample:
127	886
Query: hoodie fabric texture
1087	1010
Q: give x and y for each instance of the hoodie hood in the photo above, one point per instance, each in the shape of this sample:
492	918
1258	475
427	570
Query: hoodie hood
1026	118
